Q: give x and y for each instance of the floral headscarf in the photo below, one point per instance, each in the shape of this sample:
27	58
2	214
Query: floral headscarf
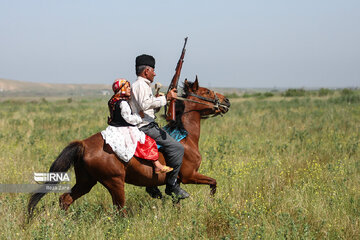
119	87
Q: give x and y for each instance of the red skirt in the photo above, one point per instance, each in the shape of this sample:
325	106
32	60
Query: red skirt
148	150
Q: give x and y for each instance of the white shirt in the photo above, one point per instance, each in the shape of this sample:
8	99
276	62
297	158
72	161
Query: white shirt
133	119
143	99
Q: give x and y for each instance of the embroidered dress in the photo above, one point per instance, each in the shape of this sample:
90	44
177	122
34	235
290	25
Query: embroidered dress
124	140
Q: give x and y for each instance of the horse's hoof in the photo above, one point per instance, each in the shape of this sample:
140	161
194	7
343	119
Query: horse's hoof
212	190
64	201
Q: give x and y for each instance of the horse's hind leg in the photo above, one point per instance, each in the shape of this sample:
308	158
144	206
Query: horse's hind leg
197	178
84	183
116	187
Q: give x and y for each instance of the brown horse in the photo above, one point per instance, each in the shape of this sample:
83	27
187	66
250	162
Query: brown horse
94	161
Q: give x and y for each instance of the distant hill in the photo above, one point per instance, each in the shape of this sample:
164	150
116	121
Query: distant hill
15	88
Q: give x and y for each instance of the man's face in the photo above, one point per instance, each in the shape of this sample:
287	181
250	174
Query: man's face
149	73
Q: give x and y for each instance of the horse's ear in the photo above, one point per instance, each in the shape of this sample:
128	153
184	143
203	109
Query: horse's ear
186	84
195	85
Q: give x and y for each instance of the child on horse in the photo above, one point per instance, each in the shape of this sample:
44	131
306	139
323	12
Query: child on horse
125	139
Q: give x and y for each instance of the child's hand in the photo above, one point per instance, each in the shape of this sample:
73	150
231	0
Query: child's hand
141	113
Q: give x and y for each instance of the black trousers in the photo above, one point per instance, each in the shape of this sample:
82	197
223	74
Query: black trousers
173	150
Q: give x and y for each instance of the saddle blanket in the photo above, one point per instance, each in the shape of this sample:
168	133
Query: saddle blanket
177	133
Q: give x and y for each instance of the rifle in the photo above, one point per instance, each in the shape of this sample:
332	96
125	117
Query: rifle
170	114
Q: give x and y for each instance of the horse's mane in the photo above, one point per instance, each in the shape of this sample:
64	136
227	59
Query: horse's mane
180	106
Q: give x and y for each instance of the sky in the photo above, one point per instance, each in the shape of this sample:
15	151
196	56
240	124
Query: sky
231	43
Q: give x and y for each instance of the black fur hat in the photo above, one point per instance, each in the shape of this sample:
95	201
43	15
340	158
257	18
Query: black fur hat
146	60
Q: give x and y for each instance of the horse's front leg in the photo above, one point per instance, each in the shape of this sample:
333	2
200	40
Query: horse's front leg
197	178
116	187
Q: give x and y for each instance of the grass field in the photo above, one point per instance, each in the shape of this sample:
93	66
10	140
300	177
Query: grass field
286	169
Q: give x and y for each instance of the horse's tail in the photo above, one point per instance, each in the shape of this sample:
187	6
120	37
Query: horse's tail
72	153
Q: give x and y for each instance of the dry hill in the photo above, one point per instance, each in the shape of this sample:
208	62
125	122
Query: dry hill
15	88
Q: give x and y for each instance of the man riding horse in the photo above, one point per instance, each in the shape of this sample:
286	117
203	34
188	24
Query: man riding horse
94	161
143	100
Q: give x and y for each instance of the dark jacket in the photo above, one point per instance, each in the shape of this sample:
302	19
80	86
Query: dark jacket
115	118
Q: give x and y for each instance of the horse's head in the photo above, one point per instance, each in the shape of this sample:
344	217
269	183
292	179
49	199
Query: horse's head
205	101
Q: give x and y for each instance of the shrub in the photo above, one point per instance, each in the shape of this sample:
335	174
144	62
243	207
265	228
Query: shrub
293	92
325	92
347	96
232	95
268	94
347	91
248	95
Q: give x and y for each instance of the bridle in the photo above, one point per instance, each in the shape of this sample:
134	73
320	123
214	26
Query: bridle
212	102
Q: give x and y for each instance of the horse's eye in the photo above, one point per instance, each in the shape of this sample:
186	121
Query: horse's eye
208	91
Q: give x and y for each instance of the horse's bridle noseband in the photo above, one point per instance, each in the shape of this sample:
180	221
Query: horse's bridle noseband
214	101
216	104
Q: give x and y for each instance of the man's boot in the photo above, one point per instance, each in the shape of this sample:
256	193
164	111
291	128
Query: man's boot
176	191
154	192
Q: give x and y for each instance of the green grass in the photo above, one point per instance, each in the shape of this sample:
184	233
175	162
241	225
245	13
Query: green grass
286	169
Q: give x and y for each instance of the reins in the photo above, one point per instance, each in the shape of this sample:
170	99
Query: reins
215	102
194	101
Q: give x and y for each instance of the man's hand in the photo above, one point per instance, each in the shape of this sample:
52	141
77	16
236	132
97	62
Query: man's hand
171	94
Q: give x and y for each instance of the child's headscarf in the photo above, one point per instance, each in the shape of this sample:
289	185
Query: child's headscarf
119	87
